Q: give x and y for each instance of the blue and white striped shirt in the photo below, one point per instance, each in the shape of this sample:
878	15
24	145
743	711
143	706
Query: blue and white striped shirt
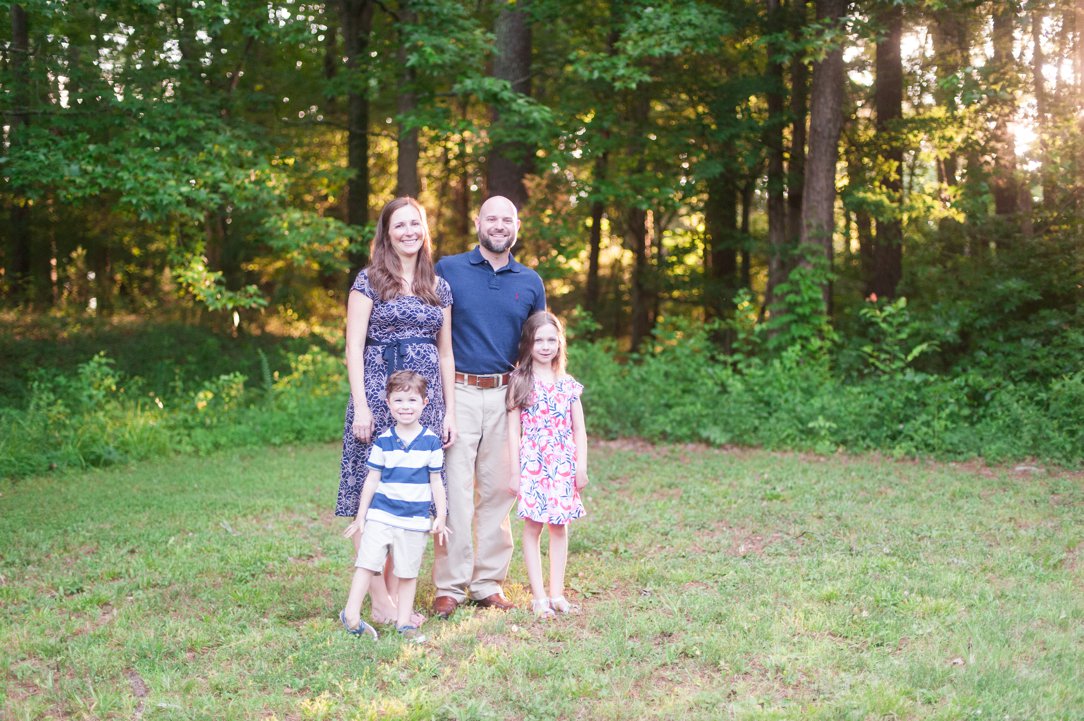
403	498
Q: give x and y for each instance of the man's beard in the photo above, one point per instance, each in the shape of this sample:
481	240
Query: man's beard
496	247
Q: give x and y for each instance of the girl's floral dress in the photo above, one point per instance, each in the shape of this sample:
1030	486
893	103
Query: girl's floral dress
547	454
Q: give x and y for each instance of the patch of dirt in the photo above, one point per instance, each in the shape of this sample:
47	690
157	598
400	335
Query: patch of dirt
106	615
1071	562
761	681
741	542
139	689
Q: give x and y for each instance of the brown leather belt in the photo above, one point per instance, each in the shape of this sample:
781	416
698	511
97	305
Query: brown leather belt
486	381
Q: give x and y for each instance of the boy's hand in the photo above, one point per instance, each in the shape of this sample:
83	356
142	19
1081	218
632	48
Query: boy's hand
358	526
581	479
439	531
513	484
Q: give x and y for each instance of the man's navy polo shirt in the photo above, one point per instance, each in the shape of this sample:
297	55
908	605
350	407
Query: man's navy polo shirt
488	309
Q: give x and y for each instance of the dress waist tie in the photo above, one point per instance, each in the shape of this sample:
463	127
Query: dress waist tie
394	351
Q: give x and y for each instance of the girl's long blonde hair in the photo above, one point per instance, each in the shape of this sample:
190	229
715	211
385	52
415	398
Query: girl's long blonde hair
519	386
385	270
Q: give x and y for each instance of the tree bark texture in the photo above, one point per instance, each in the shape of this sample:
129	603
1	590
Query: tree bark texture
19	264
950	49
825	123
598	210
357	20
407	181
799	111
1078	188
884	263
511	161
639	108
1038	60
724	243
1004	80
642	302
773	141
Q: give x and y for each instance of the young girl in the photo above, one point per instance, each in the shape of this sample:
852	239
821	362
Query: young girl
548	446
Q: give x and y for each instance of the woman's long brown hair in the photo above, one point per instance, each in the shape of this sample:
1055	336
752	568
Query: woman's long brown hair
520	385
385	270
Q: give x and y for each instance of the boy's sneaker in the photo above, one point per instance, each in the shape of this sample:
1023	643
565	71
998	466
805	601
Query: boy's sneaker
411	634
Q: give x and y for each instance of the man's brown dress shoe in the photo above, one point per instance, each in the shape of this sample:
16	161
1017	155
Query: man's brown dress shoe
495	601
444	606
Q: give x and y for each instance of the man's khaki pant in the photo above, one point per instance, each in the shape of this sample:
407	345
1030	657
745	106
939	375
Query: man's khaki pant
474	562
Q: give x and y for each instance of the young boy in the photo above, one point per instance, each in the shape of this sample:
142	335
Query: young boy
404	481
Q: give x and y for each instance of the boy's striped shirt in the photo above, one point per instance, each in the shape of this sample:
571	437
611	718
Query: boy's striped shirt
403	498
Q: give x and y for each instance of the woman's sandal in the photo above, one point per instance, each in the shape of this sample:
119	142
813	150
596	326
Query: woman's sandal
362	629
417	618
561	605
541	608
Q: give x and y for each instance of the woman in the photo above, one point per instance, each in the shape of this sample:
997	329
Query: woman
398	318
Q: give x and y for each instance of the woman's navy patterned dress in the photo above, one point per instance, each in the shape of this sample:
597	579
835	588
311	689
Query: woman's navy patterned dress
392	321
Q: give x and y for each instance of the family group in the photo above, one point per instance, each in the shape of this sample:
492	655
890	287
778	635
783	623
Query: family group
459	406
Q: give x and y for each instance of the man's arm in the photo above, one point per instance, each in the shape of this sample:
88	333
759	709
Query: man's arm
540	296
513	420
440	530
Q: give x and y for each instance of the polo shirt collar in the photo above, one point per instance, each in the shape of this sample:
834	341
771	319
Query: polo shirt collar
475	257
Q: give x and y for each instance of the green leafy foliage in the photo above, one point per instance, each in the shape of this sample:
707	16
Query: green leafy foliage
681	390
209	288
98	416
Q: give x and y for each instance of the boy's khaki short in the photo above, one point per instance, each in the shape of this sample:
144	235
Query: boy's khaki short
407	549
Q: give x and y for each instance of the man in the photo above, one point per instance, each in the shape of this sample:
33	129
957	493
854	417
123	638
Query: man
493	295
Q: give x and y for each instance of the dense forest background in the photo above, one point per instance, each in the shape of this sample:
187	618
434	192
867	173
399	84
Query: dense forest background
889	189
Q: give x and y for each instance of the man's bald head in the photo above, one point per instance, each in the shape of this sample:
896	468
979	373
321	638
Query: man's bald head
497	224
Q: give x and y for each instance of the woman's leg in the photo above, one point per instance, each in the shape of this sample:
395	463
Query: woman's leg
558	559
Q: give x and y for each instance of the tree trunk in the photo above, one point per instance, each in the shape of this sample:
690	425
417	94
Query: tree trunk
799	110
19	264
639	110
773	142
641	283
1004	77
357	20
950	50
1038	60
407	181
331	60
885	260
511	161
1078	188
598	210
825	123
721	220
462	218
746	272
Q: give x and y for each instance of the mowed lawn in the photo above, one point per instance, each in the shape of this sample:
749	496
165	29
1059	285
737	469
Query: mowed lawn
714	584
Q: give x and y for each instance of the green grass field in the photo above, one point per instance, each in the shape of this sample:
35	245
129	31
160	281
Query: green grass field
715	584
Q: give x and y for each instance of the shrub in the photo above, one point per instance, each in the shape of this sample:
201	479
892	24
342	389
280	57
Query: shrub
97	416
679	389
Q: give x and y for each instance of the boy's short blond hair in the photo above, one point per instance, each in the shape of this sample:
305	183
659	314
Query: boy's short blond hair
407	381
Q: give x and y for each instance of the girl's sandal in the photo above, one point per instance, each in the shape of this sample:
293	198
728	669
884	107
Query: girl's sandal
541	608
561	605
